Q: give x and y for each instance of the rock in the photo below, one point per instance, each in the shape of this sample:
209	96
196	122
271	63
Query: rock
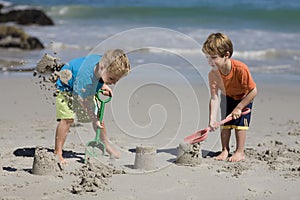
26	17
15	37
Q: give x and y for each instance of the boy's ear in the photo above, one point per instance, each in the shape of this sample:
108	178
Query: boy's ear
101	66
227	54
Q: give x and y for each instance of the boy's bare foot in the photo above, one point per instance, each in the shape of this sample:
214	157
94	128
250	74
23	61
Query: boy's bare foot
61	159
115	155
112	152
237	157
222	156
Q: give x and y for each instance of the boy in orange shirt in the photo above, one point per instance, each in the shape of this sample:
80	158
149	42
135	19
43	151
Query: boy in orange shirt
238	90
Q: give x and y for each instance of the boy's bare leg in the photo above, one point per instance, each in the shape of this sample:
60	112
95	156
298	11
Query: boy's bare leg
112	151
62	131
239	154
225	137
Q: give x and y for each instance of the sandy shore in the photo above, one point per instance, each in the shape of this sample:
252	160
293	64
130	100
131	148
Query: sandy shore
271	170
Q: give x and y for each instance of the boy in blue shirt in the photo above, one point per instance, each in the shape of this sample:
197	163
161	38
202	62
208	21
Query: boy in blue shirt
79	80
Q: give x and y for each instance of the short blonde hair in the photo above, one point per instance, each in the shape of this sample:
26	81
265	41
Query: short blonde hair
217	44
116	62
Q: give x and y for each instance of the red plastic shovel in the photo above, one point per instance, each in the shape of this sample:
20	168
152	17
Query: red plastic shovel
201	135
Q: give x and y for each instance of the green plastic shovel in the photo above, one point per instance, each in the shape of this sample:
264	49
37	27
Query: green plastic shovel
93	146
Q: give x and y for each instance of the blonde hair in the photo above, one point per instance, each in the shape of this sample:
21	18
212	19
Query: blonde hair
116	62
217	44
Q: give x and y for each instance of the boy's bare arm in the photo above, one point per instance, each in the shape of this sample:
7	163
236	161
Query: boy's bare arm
90	111
86	105
236	113
213	110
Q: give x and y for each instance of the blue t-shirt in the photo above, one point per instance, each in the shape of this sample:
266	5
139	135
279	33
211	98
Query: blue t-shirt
84	82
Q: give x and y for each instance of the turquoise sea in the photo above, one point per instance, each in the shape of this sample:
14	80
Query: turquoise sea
265	33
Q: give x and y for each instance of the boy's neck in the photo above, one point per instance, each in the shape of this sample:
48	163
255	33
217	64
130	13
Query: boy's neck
225	70
97	70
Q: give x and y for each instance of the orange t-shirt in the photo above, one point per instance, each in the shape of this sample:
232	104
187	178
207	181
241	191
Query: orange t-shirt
237	84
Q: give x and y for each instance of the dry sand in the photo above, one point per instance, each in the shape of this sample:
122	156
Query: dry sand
271	170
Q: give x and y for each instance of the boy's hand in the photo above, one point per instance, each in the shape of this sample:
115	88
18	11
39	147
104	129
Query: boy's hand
97	124
213	125
107	90
236	113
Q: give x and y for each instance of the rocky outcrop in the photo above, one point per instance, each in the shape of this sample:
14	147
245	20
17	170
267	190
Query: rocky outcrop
11	36
25	16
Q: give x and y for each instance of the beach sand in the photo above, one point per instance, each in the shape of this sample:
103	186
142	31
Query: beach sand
271	169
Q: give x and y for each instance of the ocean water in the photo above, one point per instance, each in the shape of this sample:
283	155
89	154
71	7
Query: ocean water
265	33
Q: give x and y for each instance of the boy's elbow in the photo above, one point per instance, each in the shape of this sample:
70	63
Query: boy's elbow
214	98
254	92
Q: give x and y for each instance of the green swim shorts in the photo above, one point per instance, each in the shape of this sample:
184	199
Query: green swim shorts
64	106
67	108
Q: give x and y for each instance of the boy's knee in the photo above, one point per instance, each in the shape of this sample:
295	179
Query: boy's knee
68	122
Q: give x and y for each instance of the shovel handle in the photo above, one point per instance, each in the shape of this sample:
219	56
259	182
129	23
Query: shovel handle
202	135
245	112
97	95
102	104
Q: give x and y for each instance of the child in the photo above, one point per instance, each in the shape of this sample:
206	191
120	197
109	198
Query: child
238	90
79	80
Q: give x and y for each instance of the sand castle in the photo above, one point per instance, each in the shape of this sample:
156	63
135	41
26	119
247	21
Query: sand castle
145	158
45	163
189	154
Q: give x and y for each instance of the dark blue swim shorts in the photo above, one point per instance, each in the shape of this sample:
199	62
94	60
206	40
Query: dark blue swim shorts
227	106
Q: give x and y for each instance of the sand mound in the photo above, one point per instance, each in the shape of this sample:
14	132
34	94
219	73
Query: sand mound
271	155
189	154
93	176
280	157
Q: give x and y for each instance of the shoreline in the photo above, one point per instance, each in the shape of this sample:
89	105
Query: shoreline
262	78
